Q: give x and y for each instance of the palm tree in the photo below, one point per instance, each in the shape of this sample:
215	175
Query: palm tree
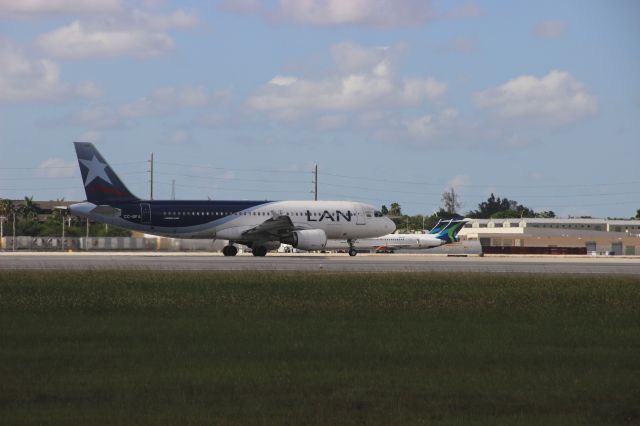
29	209
395	210
8	209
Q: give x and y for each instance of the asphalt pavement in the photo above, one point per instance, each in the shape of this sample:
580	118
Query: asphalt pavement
319	262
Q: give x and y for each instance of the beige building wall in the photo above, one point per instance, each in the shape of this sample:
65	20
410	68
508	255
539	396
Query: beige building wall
600	236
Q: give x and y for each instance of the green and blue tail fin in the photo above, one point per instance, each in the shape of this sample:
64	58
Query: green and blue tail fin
447	229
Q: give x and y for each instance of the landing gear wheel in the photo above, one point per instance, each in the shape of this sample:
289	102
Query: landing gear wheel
229	250
352	249
259	251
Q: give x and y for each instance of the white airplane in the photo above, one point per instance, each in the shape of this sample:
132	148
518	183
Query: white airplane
261	225
445	232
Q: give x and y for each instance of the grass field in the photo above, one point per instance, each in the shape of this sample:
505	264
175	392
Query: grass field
317	348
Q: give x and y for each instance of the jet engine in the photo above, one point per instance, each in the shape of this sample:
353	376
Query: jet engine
310	239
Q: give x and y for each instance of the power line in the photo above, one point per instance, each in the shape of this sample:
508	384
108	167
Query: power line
233	170
484	185
66	167
223	178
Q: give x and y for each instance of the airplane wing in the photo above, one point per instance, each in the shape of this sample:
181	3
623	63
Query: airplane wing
272	228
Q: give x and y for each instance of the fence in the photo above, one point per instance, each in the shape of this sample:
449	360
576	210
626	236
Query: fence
108	244
534	250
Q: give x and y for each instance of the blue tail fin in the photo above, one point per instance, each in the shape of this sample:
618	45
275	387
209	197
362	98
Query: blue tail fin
101	183
447	229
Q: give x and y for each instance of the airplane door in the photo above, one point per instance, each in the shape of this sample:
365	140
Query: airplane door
360	217
145	213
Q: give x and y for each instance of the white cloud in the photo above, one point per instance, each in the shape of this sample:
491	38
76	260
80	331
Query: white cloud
375	13
352	58
89	136
331	122
23	9
98	116
178	19
178	137
466	10
162	101
109	30
23	79
210	120
165	100
415	90
57	168
433	128
459	45
549	29
77	41
554	100
458	182
366	81
245	7
89	90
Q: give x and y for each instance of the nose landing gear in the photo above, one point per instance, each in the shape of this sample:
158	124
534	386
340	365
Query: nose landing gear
352	250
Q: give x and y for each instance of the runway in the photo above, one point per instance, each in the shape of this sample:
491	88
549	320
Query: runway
318	262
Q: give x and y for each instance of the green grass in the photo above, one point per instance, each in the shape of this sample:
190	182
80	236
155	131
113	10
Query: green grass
317	348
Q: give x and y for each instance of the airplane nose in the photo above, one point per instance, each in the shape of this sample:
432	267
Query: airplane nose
390	225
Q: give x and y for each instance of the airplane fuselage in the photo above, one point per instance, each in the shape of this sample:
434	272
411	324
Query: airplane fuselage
392	241
230	219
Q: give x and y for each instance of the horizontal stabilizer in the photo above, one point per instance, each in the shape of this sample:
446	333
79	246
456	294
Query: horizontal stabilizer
106	210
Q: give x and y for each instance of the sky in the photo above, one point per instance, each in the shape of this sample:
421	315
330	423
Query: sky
394	100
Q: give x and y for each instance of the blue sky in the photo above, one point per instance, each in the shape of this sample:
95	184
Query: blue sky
395	100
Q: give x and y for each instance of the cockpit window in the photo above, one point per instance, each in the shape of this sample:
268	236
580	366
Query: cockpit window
378	213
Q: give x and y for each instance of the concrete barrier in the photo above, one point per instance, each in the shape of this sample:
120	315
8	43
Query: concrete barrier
109	244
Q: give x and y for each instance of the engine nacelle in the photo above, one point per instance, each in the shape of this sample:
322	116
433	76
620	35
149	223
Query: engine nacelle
310	239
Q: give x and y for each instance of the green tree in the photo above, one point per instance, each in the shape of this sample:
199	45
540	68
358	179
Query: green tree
385	211
487	209
638	214
28	223
506	214
8	210
29	210
7	207
395	210
546	214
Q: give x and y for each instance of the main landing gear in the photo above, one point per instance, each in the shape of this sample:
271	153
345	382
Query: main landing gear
352	250
259	251
229	250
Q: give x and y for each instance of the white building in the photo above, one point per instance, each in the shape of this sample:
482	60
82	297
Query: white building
619	237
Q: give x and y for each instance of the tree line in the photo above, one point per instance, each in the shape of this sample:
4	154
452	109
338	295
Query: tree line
493	208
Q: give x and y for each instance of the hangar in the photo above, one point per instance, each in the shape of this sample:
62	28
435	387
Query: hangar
593	236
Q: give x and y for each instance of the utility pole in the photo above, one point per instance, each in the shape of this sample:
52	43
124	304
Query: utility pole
13	238
62	243
2	218
315	183
173	189
151	176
